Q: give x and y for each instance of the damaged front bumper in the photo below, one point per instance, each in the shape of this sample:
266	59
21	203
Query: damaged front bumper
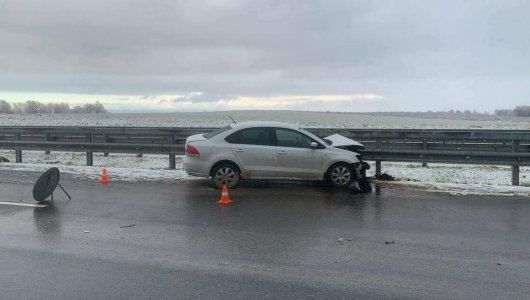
360	170
361	182
342	142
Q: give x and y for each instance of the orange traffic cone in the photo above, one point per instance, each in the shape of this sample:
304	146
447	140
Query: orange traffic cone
224	196
104	178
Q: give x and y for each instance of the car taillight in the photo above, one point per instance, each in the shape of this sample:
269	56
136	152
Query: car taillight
192	151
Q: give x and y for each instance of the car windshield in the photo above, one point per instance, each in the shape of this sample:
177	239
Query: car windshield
211	134
313	136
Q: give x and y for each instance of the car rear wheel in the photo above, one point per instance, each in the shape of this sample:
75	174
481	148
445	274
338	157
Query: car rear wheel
340	175
225	174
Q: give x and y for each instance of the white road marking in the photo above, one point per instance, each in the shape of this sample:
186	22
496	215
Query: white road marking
22	204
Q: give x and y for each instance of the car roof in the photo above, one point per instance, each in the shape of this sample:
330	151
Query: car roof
247	124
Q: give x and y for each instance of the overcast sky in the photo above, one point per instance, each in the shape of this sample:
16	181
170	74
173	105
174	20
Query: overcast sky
156	55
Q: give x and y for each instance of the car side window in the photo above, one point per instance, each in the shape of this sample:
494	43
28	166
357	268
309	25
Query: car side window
251	136
291	138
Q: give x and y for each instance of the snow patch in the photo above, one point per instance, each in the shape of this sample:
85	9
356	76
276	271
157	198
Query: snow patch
115	174
457	179
465	189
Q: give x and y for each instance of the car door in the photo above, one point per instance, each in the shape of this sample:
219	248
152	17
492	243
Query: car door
254	151
295	157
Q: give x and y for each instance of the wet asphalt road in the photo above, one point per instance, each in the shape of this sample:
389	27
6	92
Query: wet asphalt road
277	241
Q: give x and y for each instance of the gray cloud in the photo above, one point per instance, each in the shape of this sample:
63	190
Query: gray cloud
418	54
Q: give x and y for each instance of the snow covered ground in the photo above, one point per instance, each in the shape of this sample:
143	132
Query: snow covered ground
123	167
461	179
219	119
457	179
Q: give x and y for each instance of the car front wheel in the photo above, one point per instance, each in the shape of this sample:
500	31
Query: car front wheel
225	174
340	175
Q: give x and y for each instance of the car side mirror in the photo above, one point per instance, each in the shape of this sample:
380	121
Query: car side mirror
314	145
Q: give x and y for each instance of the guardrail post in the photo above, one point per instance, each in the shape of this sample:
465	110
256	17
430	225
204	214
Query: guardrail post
106	154
18	156
515	168
18	153
89	159
89	155
378	145
47	137
172	162
424	164
377	168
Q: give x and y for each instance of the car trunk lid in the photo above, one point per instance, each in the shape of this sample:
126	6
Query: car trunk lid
195	138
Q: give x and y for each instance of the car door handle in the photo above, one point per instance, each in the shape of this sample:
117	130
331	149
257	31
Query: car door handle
282	152
239	150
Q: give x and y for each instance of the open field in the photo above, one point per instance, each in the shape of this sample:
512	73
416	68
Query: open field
218	119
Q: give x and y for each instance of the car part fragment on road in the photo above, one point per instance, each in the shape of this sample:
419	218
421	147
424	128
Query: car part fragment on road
127	226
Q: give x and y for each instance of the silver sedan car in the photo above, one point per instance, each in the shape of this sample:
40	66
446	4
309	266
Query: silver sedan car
269	150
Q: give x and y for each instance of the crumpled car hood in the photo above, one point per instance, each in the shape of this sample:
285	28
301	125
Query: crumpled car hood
341	141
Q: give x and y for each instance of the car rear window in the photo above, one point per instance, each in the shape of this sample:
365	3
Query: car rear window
211	134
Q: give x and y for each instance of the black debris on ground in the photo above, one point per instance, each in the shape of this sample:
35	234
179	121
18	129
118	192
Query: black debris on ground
365	186
127	226
392	242
385	176
3	159
362	186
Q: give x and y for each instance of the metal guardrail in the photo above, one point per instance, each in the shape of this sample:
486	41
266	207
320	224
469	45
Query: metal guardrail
145	140
488	147
482	147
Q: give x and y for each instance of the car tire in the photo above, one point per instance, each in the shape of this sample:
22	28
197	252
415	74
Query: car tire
340	175
225	173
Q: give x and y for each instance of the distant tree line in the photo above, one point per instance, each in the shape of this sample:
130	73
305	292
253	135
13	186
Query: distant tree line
519	111
36	107
443	114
